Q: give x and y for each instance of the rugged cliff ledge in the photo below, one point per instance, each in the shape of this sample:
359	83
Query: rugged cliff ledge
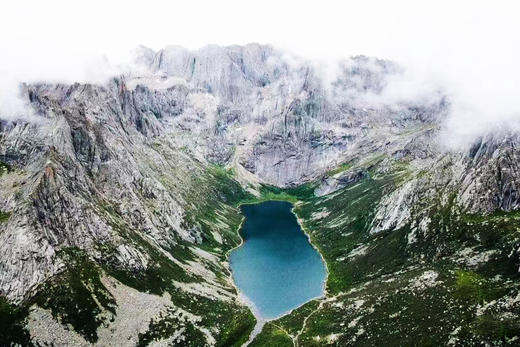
129	189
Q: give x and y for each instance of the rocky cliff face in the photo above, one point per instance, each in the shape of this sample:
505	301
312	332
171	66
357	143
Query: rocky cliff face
141	177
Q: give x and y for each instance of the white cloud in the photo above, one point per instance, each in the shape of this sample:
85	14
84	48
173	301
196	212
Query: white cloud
471	48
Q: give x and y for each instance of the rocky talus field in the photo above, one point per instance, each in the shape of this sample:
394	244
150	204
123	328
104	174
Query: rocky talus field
119	206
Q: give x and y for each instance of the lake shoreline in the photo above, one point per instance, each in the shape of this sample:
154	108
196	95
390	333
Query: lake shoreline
300	222
261	321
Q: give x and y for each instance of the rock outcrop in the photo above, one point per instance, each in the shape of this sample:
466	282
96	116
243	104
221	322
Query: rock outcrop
128	172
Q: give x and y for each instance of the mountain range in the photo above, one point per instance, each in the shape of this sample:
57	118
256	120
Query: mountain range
119	206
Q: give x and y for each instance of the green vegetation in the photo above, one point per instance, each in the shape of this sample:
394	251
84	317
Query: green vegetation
470	286
342	168
169	324
293	322
237	332
382	288
497	328
234	322
4	216
77	296
214	211
272	336
269	193
4	168
269	196
354	208
393	289
157	277
12	323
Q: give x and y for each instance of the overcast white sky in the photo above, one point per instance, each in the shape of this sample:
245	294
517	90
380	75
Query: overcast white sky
398	29
473	47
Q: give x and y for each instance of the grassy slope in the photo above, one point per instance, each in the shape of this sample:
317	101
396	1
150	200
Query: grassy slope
383	296
215	197
372	298
77	297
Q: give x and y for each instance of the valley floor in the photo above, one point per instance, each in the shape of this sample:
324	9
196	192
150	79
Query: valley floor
460	286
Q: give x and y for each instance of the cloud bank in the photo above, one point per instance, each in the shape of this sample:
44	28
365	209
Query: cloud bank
470	49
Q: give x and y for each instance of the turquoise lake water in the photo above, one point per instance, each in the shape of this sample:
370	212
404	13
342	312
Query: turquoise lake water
276	267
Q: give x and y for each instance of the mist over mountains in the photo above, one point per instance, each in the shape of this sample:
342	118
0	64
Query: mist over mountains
130	187
478	105
391	127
